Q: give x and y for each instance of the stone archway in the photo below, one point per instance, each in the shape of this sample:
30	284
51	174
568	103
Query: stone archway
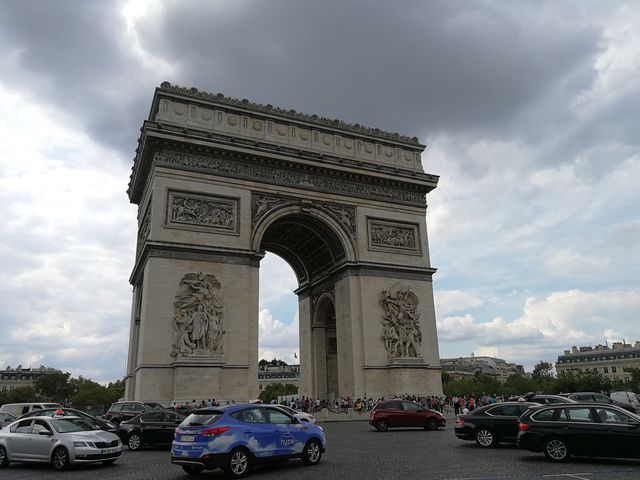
218	183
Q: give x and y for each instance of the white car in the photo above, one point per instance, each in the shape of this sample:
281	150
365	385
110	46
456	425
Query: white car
59	441
302	416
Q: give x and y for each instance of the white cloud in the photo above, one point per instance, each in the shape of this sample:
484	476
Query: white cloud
550	325
277	339
454	300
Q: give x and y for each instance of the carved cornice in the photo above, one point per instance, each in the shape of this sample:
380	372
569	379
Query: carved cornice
290	175
292	114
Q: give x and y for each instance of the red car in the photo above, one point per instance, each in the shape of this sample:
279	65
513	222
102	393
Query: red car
403	413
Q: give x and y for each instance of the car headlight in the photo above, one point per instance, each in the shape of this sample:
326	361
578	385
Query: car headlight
84	444
111	425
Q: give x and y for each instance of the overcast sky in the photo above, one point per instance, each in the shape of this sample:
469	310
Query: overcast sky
530	110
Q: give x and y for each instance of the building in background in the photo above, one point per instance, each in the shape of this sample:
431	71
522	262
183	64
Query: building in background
613	362
464	367
11	378
278	374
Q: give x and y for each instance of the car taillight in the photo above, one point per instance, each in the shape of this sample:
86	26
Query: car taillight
523	426
215	431
460	421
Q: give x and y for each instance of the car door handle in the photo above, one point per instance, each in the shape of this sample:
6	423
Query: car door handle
247	431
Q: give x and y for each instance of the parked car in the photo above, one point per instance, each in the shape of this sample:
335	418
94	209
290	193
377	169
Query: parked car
6	418
98	423
627	398
121	411
151	428
492	424
403	413
302	416
580	429
545	399
18	409
59	441
593	397
235	437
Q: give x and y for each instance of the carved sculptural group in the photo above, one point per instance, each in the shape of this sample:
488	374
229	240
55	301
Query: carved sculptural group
401	323
198	316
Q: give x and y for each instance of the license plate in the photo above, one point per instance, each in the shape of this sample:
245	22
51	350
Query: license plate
188	438
109	450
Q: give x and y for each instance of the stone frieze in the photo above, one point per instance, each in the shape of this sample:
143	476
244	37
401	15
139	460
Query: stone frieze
288	176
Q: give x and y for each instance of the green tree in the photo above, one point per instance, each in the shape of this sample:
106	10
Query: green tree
273	390
518	384
56	387
20	395
542	376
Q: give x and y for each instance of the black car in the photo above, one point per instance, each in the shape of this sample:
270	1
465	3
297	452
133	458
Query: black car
121	411
97	423
593	397
151	428
580	429
492	424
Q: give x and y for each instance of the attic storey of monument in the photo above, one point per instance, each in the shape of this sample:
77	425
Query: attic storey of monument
218	182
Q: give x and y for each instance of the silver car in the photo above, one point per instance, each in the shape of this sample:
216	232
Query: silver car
6	418
59	441
302	416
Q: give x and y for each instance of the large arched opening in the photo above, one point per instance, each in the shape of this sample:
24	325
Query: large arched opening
312	243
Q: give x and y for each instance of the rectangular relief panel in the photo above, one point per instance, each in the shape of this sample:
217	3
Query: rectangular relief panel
202	212
394	237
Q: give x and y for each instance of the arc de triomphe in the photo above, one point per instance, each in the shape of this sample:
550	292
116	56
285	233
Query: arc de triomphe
218	182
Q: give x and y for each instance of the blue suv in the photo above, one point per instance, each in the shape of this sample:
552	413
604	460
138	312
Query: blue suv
235	437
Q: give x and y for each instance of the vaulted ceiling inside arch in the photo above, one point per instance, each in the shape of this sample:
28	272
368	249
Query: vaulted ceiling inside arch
309	246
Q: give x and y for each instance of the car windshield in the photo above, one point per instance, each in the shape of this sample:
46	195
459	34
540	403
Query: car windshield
69	425
201	417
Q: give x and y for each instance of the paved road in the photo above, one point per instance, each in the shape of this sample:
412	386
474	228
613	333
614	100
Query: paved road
356	451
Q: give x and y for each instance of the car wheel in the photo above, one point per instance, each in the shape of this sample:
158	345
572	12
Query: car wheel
134	442
432	424
109	462
4	459
60	459
312	452
556	450
238	463
382	425
485	438
192	469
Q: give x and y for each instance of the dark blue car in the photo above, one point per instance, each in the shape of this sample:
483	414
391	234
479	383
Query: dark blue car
236	437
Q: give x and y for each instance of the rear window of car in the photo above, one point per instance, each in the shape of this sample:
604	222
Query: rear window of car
543	416
202	417
117	407
152	417
507	410
578	415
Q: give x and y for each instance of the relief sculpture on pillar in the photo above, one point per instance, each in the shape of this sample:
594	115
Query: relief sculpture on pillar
198	317
401	334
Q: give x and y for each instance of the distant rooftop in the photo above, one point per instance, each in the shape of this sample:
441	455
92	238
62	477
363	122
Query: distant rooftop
219	97
615	346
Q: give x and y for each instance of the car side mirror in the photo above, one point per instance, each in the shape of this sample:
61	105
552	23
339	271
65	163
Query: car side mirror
295	421
45	432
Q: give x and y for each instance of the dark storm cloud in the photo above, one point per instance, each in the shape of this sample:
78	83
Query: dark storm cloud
72	54
427	65
412	67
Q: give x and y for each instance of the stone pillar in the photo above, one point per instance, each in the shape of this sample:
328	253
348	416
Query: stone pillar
166	374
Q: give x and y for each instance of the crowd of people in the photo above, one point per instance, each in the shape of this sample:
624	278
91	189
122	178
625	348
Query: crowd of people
455	404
